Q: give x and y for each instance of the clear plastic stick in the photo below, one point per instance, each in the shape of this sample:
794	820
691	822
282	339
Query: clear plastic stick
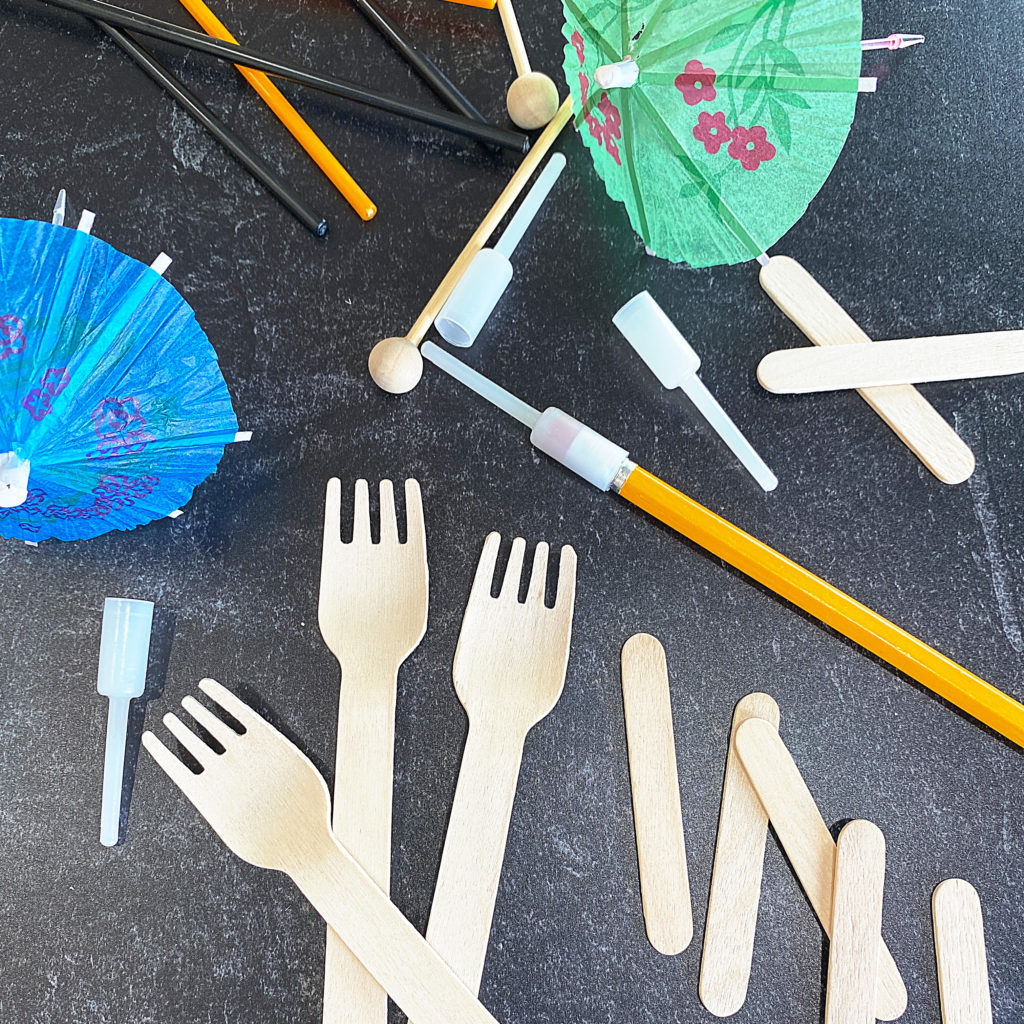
729	433
523	217
113	769
60	208
485	388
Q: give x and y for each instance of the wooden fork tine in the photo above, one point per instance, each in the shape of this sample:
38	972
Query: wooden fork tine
565	594
189	740
414	529
513	571
233	706
361	514
539	574
220	731
332	514
179	773
485	567
388	517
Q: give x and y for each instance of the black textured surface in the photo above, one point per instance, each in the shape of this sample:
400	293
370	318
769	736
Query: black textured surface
916	232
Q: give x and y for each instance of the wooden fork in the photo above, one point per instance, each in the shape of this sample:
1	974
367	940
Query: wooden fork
509	671
268	803
373	613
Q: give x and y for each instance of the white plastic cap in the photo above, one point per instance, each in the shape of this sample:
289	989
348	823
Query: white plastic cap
620	75
473	300
578	448
656	340
13	480
124	647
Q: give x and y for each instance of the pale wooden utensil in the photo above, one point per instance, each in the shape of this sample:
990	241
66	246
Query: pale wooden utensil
806	840
657	812
795	371
736	876
268	803
532	99
856	925
373	613
509	672
960	953
902	407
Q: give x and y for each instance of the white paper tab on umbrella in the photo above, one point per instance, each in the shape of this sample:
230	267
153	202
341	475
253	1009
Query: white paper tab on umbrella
670	356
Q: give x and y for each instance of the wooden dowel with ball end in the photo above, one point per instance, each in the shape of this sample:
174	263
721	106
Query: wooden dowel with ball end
395	363
532	99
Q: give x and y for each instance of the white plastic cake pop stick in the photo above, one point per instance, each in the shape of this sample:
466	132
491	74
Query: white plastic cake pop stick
124	654
896	41
655	339
473	299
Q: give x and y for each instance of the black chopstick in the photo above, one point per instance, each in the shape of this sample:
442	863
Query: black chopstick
235	54
424	66
238	149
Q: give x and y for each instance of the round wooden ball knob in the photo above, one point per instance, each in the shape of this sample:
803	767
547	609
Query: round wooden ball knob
532	100
396	365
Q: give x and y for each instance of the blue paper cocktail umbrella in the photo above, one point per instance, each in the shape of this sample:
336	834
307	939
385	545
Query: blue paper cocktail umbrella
112	405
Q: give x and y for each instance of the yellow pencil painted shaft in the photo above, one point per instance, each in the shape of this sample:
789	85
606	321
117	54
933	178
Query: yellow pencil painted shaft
289	117
820	599
486	4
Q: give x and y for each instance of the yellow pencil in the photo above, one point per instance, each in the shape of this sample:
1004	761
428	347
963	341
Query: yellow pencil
289	117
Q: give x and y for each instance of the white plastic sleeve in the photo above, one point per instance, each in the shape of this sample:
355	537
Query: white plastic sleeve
578	448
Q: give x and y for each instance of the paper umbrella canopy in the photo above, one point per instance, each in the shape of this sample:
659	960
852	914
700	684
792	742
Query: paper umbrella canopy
112	405
719	120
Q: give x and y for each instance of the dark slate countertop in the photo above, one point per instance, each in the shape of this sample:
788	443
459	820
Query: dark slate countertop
916	232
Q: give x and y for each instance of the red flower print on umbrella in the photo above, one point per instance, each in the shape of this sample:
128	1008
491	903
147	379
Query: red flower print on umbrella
750	146
577	42
712	130
696	83
610	129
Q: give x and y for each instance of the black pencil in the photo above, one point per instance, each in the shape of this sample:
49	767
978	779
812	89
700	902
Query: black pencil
424	66
202	113
234	54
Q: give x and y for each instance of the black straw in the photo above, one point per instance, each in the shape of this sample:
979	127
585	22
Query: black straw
235	54
424	66
202	113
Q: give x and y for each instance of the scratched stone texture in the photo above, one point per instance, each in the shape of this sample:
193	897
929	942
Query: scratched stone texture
916	232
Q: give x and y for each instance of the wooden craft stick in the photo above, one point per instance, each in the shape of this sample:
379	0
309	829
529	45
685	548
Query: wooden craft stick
798	371
289	117
960	954
395	365
515	38
902	407
806	840
736	876
657	812
856	925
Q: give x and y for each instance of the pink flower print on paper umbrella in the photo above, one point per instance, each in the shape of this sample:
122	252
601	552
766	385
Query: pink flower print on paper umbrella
577	42
712	130
120	427
12	336
750	146
696	83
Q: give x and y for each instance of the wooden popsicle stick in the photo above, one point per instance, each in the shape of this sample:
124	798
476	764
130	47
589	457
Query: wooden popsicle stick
856	925
902	407
515	38
960	953
736	876
806	840
657	811
799	371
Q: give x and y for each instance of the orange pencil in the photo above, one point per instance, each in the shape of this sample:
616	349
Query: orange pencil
289	117
486	4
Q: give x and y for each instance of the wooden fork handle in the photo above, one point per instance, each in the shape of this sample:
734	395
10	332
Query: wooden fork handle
361	818
377	934
474	848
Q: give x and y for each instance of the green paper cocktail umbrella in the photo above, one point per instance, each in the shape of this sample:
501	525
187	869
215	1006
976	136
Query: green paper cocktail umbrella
714	122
